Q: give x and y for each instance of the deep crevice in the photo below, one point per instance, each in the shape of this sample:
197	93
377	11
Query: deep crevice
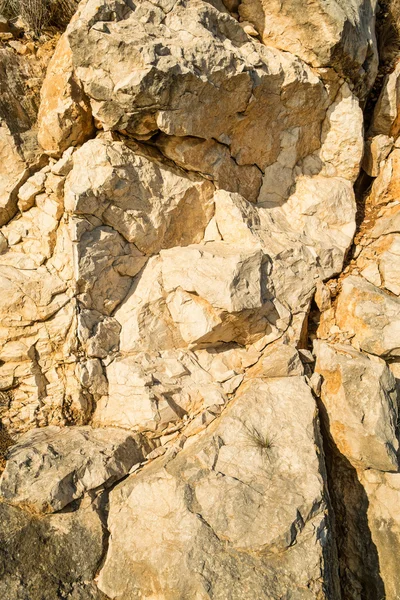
359	569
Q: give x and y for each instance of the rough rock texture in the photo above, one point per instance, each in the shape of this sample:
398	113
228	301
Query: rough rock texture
338	34
20	80
200	317
365	434
371	316
64	106
50	467
212	504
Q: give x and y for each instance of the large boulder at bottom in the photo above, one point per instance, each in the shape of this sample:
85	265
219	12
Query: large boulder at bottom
44	558
50	467
241	512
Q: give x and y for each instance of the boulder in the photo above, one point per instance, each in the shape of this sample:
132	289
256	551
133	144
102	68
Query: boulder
152	205
386	117
193	71
65	117
105	266
383	493
359	402
385	187
43	557
241	509
337	34
50	467
371	316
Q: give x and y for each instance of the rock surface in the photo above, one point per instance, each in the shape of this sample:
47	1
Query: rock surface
199	340
212	504
50	467
338	34
359	398
57	554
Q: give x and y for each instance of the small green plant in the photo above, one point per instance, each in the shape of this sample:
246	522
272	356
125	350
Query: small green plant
263	442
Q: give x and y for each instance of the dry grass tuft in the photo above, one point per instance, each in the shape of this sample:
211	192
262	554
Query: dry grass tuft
39	14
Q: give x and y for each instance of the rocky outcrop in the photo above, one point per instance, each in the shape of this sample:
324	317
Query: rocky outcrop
212	505
187	229
361	328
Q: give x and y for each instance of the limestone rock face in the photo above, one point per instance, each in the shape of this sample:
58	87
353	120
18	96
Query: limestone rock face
359	397
20	80
216	86
339	34
383	496
199	332
65	118
209	505
385	125
148	203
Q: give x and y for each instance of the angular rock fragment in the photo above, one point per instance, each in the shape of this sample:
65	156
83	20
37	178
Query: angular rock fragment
336	34
383	493
360	406
65	118
371	316
150	204
48	468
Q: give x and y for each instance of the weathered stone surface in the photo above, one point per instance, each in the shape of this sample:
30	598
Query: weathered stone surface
158	285
49	468
371	316
338	34
65	117
277	360
213	161
383	255
150	204
386	118
13	172
151	391
205	522
376	151
386	186
105	265
359	399
176	301
45	557
200	88
28	192
20	80
324	210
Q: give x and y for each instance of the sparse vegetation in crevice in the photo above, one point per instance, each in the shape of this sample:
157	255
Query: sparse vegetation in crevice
40	14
